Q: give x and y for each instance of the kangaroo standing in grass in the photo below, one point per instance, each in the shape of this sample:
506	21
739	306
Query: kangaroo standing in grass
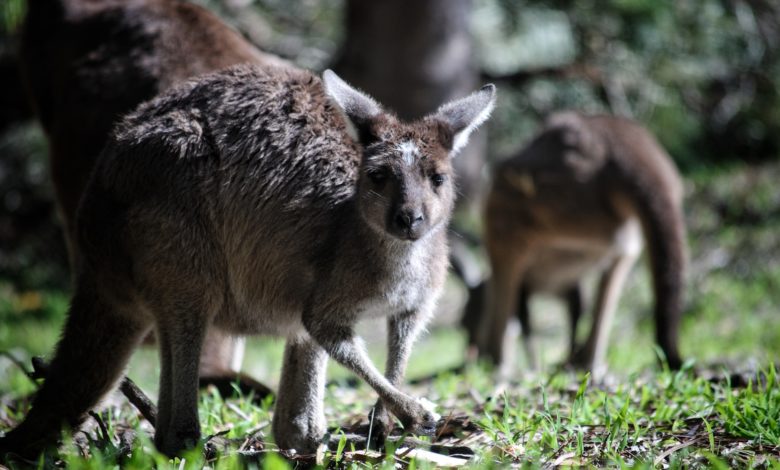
87	62
260	201
579	199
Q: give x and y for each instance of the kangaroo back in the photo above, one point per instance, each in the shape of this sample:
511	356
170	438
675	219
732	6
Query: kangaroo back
88	62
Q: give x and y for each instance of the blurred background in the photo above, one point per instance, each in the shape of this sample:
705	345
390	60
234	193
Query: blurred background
702	75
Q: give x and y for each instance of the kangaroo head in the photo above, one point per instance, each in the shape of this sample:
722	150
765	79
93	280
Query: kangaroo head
406	186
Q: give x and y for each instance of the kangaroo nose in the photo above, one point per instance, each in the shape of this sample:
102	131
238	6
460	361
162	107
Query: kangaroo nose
406	219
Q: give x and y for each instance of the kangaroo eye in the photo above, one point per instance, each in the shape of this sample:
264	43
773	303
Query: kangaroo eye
377	177
438	179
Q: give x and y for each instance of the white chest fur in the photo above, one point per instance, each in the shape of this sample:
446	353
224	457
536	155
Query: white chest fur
406	286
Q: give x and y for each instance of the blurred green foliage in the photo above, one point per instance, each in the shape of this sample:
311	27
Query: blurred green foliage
11	14
704	75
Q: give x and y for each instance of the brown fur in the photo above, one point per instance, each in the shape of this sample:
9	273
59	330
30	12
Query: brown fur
242	200
88	62
573	202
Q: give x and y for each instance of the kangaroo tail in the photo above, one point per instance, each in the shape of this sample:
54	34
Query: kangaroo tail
654	187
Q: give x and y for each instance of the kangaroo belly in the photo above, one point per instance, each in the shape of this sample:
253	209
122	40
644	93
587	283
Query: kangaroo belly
554	269
270	320
270	301
562	261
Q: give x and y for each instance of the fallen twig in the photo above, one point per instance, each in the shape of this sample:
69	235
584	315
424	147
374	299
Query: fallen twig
138	399
674	449
103	429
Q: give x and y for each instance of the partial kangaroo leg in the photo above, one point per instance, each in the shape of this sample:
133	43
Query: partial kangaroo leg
299	421
472	318
220	363
592	355
501	304
341	344
97	341
402	330
222	353
524	315
574	305
180	335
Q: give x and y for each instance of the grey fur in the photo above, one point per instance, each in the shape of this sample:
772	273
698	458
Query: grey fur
241	200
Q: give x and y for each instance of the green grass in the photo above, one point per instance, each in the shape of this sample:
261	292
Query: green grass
721	410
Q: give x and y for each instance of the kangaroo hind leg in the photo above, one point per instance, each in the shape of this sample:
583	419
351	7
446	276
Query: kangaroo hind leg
97	341
299	419
498	330
573	297
220	367
593	355
182	322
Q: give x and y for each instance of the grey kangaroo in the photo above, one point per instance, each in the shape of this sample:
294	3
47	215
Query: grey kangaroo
261	201
88	62
580	198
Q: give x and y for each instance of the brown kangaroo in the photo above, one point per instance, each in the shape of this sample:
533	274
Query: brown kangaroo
578	199
88	62
260	200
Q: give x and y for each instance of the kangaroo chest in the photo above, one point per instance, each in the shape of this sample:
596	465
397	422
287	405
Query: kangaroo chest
400	289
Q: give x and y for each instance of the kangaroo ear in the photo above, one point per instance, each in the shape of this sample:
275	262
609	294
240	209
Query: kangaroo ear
466	114
358	108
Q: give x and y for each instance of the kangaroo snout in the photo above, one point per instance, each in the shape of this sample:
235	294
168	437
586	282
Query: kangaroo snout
408	223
